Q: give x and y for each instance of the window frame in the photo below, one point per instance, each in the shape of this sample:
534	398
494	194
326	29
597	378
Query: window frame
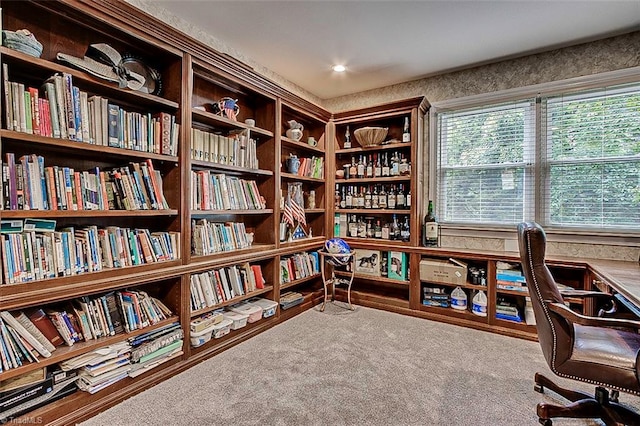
538	91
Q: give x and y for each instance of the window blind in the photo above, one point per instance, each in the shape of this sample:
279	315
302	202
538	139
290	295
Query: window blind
592	170
486	164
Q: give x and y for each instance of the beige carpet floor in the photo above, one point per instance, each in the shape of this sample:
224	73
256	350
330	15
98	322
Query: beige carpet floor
365	367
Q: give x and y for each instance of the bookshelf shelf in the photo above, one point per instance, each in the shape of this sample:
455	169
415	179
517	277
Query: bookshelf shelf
233	301
466	286
225	123
454	313
299	281
373	211
10	137
20	214
291	143
312	241
197	164
289	176
356	181
203	213
365	277
360	150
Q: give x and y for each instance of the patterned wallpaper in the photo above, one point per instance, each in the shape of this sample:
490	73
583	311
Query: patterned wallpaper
583	59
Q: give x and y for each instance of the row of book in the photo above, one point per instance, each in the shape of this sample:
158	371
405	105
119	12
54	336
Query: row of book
213	287
215	237
234	150
61	110
509	277
298	266
43	253
30	185
311	167
25	336
211	191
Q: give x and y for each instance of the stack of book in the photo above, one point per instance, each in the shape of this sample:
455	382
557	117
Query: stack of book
155	347
34	250
298	266
60	110
435	296
215	237
507	310
213	287
32	186
509	277
102	367
238	149
290	299
212	191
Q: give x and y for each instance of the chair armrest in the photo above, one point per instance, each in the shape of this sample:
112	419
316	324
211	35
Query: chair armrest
577	318
586	293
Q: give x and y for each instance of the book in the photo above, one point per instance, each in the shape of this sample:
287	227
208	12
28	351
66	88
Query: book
10	320
46	329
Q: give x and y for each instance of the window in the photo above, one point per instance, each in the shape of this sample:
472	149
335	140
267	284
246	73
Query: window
568	161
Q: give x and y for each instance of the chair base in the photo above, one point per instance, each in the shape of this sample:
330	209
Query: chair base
601	405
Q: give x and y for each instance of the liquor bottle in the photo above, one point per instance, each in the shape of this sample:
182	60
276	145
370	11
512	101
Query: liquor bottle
343	199
391	198
347	138
370	231
430	228
377	169
395	165
367	198
405	231
406	134
362	228
349	198
382	198
394	232
374	198
408	199
385	166
353	226
369	171
361	168
377	231
338	199
400	198
384	265
403	167
384	233
353	169
361	198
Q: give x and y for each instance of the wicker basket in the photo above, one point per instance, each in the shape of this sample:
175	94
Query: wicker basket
370	136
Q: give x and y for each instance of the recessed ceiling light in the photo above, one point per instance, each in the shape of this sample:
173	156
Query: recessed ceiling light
339	68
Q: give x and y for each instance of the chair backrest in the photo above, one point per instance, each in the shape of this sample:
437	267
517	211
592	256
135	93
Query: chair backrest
555	334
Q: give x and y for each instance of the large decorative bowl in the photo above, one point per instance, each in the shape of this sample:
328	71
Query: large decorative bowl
370	136
337	246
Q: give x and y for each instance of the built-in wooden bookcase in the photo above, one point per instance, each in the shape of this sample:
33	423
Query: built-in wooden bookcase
235	149
312	173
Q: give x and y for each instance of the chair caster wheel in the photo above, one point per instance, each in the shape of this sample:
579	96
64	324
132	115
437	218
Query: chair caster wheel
613	397
545	422
538	388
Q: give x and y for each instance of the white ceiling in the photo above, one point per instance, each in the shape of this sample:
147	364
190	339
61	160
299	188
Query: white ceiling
388	42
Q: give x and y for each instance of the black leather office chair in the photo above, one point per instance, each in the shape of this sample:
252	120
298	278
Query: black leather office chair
600	351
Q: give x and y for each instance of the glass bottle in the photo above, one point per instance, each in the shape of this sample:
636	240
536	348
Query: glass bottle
374	198
369	170
385	166
361	167
353	169
377	169
349	198
347	138
400	198
377	232
406	134
408	199
353	226
394	232
382	198
343	199
384	233
384	266
403	167
395	165
367	198
370	231
431	229
338	198
362	228
391	198
405	231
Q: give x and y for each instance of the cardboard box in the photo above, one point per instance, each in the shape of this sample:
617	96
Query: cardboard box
368	262
397	265
443	271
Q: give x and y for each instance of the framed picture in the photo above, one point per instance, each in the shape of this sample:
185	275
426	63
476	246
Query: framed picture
397	265
368	262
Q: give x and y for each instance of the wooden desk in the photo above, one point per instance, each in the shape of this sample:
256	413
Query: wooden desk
622	277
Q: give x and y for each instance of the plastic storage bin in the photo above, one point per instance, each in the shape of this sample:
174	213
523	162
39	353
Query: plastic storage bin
205	321
201	337
222	328
254	312
269	307
238	320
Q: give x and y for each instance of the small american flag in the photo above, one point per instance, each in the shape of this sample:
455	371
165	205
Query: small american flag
298	212
287	215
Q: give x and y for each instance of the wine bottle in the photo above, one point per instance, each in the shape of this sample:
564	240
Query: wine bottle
405	231
430	233
347	138
406	134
